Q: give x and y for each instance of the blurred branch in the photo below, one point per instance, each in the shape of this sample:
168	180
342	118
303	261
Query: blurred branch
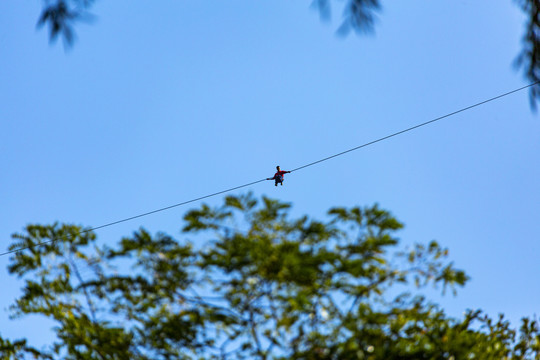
60	17
529	58
358	16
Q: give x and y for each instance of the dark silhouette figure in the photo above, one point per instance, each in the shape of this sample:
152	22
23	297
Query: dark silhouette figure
278	176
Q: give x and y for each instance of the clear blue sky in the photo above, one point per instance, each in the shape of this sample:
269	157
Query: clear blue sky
163	101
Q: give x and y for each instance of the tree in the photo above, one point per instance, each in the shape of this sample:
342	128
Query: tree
60	16
264	286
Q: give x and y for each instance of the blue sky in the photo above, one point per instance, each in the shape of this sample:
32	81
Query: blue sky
164	101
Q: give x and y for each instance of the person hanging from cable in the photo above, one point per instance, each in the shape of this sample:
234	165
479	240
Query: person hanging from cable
278	176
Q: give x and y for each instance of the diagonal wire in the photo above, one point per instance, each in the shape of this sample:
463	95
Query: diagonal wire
138	216
416	126
295	169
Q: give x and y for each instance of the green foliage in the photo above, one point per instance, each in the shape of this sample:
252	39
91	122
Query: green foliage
280	288
18	350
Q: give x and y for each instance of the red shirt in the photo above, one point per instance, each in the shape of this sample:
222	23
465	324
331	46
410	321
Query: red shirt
280	173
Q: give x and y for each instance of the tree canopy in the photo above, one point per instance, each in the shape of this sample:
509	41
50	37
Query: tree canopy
260	285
